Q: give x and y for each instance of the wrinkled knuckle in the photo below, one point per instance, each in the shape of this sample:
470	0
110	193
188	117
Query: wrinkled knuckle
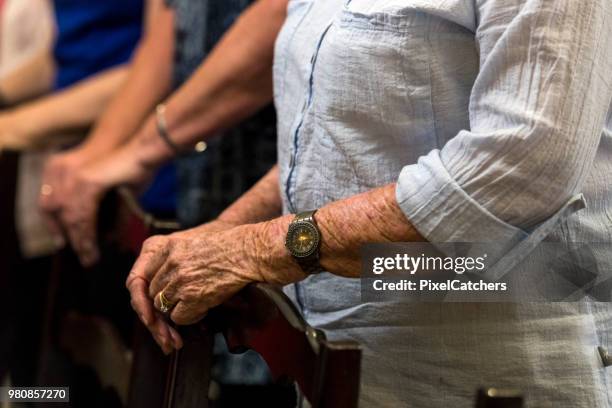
153	243
128	282
174	243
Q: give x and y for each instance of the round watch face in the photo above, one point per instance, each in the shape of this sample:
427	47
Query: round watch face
302	239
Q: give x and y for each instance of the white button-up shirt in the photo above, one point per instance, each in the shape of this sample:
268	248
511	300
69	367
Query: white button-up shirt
493	117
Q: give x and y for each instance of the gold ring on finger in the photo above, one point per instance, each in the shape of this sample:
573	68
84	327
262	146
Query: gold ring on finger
164	304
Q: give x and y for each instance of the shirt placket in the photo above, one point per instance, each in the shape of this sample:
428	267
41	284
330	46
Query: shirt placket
290	182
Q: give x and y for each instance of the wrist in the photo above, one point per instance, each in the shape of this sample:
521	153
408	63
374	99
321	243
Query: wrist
148	147
84	154
106	137
165	134
268	253
19	125
42	119
131	170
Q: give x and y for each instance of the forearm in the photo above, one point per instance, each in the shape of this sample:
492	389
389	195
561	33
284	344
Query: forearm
261	203
148	81
73	109
233	83
33	78
345	225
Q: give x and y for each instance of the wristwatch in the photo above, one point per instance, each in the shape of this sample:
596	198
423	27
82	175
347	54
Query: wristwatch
303	242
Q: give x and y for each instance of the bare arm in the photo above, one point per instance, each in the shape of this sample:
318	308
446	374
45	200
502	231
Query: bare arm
70	111
261	203
33	78
27	36
148	81
346	225
238	89
373	216
41	122
234	82
249	45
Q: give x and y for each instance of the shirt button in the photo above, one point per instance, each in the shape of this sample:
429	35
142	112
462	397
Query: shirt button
606	358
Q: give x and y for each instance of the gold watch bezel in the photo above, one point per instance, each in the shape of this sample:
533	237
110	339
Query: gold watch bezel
294	227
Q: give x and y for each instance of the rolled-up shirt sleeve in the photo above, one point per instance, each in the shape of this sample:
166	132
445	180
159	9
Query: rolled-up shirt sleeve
537	111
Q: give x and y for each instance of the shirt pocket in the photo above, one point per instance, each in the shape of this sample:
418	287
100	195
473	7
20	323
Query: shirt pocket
372	90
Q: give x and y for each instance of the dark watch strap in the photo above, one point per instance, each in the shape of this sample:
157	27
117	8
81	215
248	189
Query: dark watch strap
311	265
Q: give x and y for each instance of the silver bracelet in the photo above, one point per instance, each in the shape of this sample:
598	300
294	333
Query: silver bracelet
162	130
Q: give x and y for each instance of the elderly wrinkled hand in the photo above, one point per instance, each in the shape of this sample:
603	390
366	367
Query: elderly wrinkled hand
194	271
